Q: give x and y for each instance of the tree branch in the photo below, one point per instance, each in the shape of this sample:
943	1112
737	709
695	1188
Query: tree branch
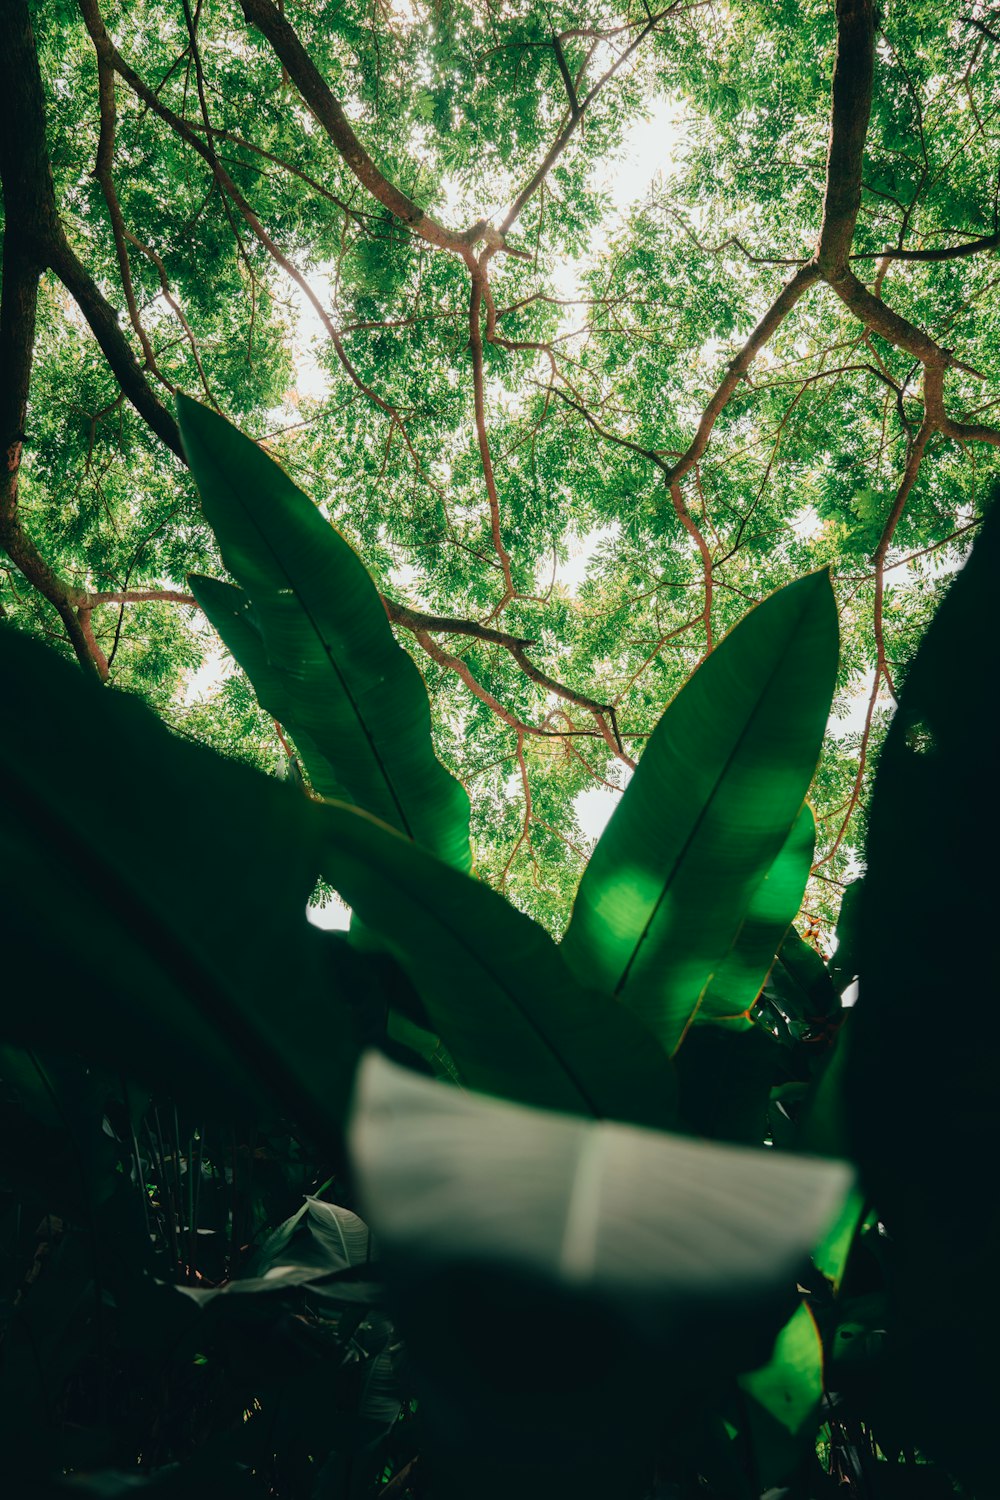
330	113
853	73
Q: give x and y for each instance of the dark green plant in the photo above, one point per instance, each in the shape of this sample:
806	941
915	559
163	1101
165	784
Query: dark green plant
601	1274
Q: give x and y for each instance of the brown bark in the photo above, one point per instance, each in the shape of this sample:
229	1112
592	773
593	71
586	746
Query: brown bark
29	223
853	74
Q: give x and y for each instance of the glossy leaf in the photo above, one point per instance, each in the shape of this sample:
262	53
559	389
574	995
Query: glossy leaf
708	811
831	1256
773	907
648	1261
155	895
493	983
343	682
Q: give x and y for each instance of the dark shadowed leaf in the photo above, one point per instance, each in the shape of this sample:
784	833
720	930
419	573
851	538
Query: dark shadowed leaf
155	896
801	984
724	1078
924	1053
843	966
719	787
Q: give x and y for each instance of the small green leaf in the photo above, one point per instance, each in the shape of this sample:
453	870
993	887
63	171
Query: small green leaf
783	1398
832	1254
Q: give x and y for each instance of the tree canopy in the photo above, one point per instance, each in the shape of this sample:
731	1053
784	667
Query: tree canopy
379	238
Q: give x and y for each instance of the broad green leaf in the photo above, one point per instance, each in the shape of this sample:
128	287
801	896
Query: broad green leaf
343	682
556	1278
706	814
782	1399
155	895
494	985
774	905
924	1051
321	1235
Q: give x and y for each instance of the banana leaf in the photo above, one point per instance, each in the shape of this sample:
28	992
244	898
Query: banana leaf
774	905
313	637
717	791
494	985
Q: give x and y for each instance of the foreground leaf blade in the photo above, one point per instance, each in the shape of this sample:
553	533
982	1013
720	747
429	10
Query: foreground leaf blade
782	1398
664	1263
717	791
345	683
923	1056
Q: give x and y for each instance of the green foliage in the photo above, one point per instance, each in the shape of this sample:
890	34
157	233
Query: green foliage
606	1203
643	303
581	1300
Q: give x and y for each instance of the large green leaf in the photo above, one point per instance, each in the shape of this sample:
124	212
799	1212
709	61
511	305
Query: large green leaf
557	1279
706	814
154	897
493	983
333	670
773	907
924	1051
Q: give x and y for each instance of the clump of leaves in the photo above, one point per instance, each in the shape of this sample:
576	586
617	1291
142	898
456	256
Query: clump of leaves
603	1258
